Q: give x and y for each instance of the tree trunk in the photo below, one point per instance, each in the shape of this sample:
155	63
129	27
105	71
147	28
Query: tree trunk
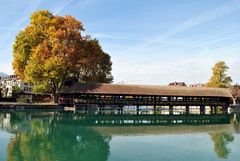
55	96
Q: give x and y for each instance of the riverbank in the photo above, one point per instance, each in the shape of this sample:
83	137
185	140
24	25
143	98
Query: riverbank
20	105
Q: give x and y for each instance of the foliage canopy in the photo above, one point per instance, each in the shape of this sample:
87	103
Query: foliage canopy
219	77
51	49
235	90
16	91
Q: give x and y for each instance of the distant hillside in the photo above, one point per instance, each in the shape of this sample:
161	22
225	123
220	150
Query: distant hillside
2	74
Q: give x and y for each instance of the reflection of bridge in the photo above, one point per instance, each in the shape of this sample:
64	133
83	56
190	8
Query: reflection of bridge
158	130
122	123
137	120
120	95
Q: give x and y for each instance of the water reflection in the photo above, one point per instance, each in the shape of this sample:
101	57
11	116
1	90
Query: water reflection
220	143
86	136
235	122
45	138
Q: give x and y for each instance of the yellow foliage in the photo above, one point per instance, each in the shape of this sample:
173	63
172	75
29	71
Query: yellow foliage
52	48
219	77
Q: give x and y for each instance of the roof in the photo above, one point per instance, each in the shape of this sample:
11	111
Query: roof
122	89
177	84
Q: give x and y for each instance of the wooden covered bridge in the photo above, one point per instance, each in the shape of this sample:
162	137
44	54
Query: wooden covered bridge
145	95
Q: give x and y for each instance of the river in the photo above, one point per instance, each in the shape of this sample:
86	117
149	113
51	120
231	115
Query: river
36	135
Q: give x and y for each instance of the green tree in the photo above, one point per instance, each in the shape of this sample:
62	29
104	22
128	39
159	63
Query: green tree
16	91
52	49
220	77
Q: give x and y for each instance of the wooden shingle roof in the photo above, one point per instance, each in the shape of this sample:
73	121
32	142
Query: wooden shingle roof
123	89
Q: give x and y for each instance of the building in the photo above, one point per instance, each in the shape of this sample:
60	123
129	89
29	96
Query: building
7	83
196	85
183	84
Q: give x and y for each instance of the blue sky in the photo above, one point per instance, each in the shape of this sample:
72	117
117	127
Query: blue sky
150	41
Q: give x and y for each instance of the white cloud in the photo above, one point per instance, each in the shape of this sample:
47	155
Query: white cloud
219	11
60	5
33	5
195	68
107	36
166	59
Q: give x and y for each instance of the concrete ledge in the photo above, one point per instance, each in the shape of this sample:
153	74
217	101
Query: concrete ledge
17	105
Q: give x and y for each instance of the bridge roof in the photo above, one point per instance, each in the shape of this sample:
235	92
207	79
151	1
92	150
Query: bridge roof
123	89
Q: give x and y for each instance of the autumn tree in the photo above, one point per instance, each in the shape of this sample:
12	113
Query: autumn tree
95	65
220	77
235	90
52	48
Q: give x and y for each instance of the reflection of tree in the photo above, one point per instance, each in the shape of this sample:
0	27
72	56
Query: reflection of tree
220	143
56	140
235	123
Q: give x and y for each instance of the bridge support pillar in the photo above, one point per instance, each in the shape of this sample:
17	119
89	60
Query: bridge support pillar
224	109
202	110
212	109
120	109
215	109
101	109
155	108
187	110
137	109
170	110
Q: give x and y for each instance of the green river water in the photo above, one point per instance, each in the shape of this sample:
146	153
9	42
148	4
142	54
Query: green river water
92	136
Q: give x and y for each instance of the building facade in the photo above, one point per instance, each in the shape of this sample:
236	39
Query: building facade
7	83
